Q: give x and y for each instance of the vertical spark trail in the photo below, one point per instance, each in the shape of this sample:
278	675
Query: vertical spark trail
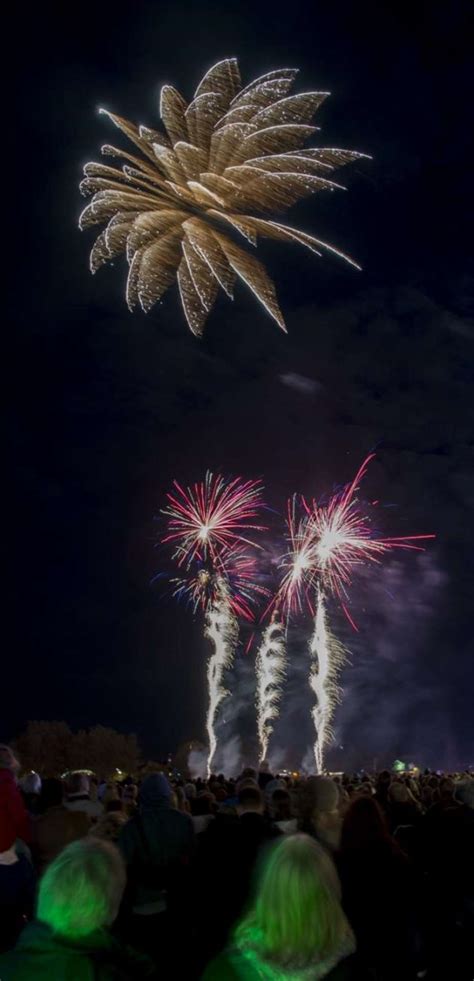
207	525
222	630
327	657
270	668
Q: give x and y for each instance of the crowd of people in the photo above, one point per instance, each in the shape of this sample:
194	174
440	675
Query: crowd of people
365	878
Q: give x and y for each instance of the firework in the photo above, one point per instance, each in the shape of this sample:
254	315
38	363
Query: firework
207	526
210	517
327	658
225	161
238	568
343	538
270	669
222	630
297	565
327	543
298	562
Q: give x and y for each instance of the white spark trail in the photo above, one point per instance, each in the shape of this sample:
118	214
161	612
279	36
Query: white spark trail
270	669
327	657
222	630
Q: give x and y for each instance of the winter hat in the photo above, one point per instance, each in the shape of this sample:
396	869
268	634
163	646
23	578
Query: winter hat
155	791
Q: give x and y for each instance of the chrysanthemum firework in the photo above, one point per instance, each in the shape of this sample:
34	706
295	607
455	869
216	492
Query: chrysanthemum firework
223	164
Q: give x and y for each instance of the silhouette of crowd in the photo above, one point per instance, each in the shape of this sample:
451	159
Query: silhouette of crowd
344	878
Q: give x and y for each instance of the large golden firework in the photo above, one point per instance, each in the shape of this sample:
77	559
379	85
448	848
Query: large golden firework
230	156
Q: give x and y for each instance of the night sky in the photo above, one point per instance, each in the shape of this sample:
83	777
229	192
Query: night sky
105	407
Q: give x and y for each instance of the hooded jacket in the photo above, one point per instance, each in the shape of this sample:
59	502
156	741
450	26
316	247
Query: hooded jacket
156	843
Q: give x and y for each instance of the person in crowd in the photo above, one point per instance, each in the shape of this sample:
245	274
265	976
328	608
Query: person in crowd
382	784
79	897
249	774
295	927
14	820
129	798
275	783
110	793
115	806
17	879
444	798
56	826
30	787
449	861
181	801
110	824
101	788
157	844
402	809
230	848
94	788
380	893
319	811
79	798
203	811
264	776
191	794
281	811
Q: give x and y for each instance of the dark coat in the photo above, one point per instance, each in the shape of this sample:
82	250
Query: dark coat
381	898
42	956
157	844
17	893
229	852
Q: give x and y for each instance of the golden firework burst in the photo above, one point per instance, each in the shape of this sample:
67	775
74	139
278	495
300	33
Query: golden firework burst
226	160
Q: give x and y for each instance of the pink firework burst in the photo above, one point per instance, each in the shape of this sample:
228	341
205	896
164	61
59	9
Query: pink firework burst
238	569
206	519
343	538
326	543
298	563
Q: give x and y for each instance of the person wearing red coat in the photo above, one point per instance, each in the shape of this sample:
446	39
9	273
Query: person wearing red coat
14	820
17	880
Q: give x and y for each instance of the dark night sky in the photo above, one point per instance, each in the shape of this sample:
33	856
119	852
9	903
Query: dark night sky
105	408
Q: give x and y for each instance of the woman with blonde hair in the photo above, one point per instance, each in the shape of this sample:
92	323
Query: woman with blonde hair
295	929
78	900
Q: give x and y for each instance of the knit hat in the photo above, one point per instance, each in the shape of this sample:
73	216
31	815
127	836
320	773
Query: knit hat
155	791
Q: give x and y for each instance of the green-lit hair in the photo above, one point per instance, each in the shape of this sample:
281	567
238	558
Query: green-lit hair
296	917
81	890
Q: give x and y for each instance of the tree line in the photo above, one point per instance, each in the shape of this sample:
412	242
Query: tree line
52	748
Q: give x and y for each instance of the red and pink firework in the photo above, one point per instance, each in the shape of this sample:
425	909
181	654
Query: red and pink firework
209	518
239	570
326	544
